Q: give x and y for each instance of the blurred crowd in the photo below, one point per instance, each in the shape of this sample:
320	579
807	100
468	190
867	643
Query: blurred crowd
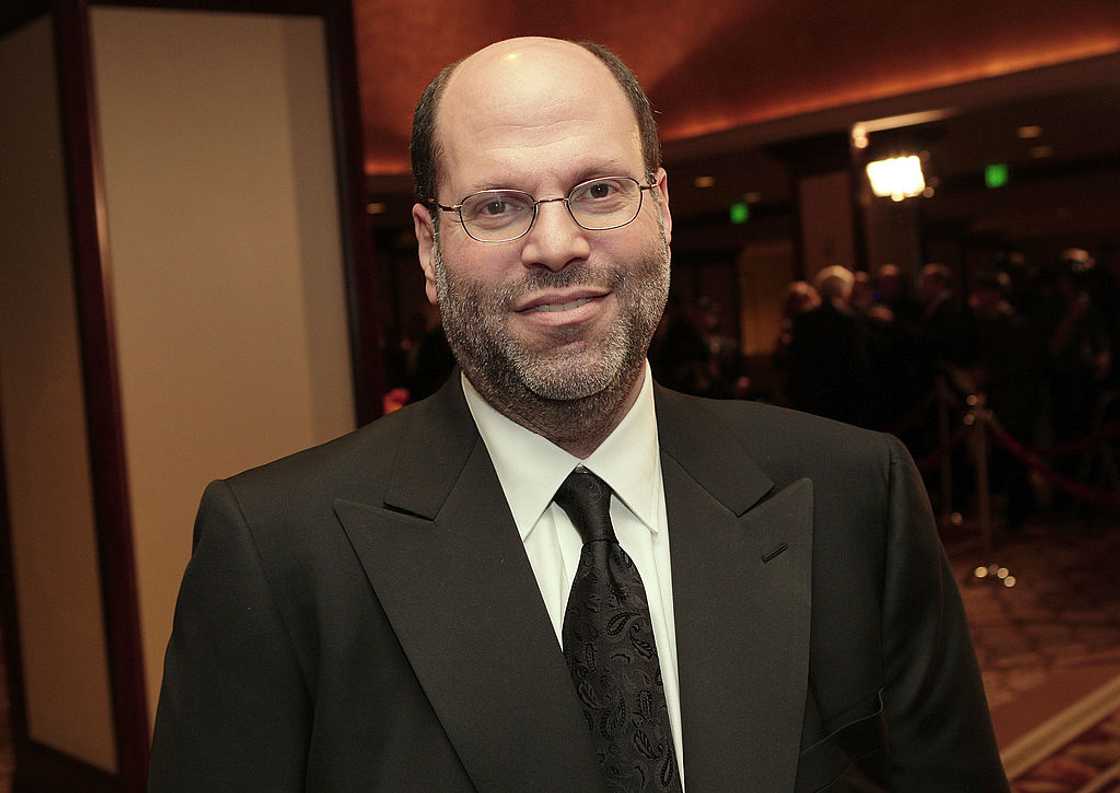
1036	339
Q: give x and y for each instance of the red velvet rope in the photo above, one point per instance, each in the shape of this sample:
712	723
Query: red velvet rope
1076	489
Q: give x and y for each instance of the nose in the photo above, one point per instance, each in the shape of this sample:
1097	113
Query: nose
555	240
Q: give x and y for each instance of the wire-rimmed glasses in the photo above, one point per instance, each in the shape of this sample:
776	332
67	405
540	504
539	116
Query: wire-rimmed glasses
606	202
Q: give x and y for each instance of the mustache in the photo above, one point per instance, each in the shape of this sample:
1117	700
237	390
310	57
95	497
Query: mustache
574	275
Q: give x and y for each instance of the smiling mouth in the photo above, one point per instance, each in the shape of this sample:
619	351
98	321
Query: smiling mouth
555	307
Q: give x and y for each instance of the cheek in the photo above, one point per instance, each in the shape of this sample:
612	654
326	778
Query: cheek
481	270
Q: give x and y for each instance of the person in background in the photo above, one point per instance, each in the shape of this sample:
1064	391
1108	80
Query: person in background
1005	370
1079	347
891	293
829	364
863	293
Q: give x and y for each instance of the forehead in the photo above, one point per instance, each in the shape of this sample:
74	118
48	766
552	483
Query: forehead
530	111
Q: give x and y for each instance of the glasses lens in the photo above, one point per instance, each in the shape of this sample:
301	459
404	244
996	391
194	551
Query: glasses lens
605	203
496	215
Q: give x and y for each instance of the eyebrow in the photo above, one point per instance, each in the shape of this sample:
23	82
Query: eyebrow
591	171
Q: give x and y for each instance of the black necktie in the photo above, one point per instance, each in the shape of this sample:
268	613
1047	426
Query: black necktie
609	646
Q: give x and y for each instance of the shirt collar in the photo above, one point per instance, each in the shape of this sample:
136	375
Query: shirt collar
531	468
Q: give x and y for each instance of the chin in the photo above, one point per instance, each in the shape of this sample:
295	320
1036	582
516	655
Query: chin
569	377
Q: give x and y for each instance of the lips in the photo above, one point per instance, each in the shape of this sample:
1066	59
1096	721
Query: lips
555	302
553	307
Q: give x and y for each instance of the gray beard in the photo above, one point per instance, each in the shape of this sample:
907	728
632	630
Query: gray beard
568	398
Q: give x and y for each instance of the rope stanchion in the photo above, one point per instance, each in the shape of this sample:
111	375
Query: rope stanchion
945	463
980	427
977	421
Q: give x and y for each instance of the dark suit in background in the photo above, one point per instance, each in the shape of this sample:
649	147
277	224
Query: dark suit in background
830	365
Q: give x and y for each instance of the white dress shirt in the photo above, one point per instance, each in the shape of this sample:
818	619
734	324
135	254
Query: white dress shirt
531	469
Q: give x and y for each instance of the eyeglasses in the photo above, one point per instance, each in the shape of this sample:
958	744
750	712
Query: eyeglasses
608	202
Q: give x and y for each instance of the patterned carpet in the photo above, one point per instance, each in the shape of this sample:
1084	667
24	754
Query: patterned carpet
1059	625
1089	763
1063	613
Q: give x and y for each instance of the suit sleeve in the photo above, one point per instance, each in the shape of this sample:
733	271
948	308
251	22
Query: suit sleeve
233	710
939	731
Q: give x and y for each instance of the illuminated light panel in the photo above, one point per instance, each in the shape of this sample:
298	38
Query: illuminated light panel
704	181
1029	132
1039	152
740	213
375	208
996	175
897	177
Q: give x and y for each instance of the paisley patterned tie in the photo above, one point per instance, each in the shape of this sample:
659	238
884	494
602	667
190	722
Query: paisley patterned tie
609	646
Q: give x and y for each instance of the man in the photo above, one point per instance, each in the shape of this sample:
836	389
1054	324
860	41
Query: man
829	365
478	592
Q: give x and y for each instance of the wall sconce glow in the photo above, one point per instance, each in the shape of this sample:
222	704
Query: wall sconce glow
375	208
740	213
897	177
704	181
1029	132
859	136
996	175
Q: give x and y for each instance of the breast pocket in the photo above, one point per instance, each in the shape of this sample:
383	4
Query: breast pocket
832	763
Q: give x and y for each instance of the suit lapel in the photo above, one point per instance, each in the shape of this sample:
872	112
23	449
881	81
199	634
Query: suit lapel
741	598
447	565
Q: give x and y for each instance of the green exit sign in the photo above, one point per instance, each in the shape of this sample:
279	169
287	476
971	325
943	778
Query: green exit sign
740	212
996	175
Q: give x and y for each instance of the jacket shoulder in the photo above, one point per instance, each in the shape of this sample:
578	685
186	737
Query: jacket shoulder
355	465
789	444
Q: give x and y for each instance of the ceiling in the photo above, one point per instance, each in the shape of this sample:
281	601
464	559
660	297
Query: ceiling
721	65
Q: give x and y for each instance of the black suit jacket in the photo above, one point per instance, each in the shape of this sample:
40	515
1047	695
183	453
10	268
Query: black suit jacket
362	616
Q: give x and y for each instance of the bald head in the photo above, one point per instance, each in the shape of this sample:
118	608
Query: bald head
519	81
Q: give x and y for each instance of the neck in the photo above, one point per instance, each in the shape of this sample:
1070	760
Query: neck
578	426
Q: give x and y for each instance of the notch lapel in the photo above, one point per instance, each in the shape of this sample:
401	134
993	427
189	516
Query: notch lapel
448	566
741	599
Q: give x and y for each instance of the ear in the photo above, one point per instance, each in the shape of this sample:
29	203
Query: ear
426	237
662	187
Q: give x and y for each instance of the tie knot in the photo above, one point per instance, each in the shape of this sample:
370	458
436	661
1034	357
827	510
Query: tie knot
587	500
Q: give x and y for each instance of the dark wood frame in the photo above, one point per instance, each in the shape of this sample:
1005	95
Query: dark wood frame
38	767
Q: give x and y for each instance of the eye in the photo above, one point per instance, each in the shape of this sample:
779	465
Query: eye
600	190
494	207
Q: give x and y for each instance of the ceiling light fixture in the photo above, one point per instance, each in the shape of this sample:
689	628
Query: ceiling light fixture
897	177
